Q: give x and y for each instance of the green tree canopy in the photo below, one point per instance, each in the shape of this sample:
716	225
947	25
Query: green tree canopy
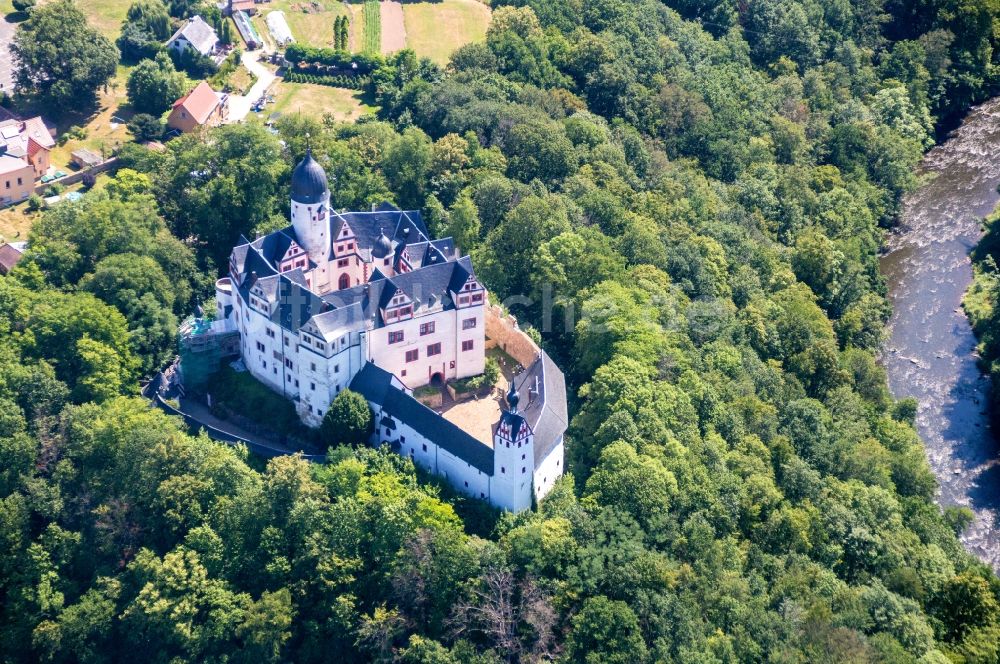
59	57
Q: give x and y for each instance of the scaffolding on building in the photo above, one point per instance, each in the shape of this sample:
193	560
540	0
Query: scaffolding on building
203	346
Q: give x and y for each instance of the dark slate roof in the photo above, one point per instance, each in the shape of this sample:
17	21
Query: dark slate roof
254	268
541	389
296	303
427	288
336	320
274	246
398	226
371	382
375	385
309	183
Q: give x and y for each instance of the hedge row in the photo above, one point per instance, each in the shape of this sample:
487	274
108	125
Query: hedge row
296	53
340	81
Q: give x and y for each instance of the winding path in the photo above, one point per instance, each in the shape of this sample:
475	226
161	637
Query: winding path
931	351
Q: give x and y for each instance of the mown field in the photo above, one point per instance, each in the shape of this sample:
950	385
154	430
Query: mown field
105	15
436	29
315	100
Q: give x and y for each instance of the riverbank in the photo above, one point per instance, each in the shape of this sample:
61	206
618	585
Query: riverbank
931	352
981	306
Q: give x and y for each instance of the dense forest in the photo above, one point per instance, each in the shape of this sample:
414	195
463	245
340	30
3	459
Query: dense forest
685	201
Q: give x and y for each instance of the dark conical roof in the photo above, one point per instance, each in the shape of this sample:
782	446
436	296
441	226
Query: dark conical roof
309	184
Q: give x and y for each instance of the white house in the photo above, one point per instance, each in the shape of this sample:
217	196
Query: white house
367	300
196	35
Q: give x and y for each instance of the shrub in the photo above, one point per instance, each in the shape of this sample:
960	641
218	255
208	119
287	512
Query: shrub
35	203
348	420
145	127
23	5
88	180
475	383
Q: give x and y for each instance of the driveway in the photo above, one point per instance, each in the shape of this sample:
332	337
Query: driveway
239	106
6	61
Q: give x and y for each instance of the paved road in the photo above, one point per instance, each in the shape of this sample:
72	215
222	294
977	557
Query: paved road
239	106
6	61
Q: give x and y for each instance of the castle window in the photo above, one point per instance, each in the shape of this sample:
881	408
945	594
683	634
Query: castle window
336	368
523	470
260	347
426	328
468	323
424	446
395	337
522	457
502	469
467	485
467	344
403	373
312	386
477	297
412	355
320	346
434	349
296	382
312	366
342	262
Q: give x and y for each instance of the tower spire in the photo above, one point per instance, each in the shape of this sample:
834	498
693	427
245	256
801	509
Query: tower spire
513	398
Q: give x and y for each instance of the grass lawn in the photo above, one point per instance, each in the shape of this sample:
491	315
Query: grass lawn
105	127
315	100
105	15
15	222
311	23
436	29
242	80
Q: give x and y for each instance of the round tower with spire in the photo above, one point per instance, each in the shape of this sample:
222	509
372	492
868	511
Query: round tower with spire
310	204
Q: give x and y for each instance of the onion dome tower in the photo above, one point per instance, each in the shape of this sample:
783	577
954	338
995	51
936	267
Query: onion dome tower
310	203
512	398
382	246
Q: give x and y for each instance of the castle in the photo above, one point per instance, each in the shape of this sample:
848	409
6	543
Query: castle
368	301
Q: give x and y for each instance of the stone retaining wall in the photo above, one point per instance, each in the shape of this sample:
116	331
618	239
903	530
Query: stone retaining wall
504	333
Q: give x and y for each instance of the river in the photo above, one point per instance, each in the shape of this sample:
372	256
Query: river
930	353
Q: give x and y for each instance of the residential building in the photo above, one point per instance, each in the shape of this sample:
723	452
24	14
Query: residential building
10	254
202	107
196	35
368	301
29	141
17	180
